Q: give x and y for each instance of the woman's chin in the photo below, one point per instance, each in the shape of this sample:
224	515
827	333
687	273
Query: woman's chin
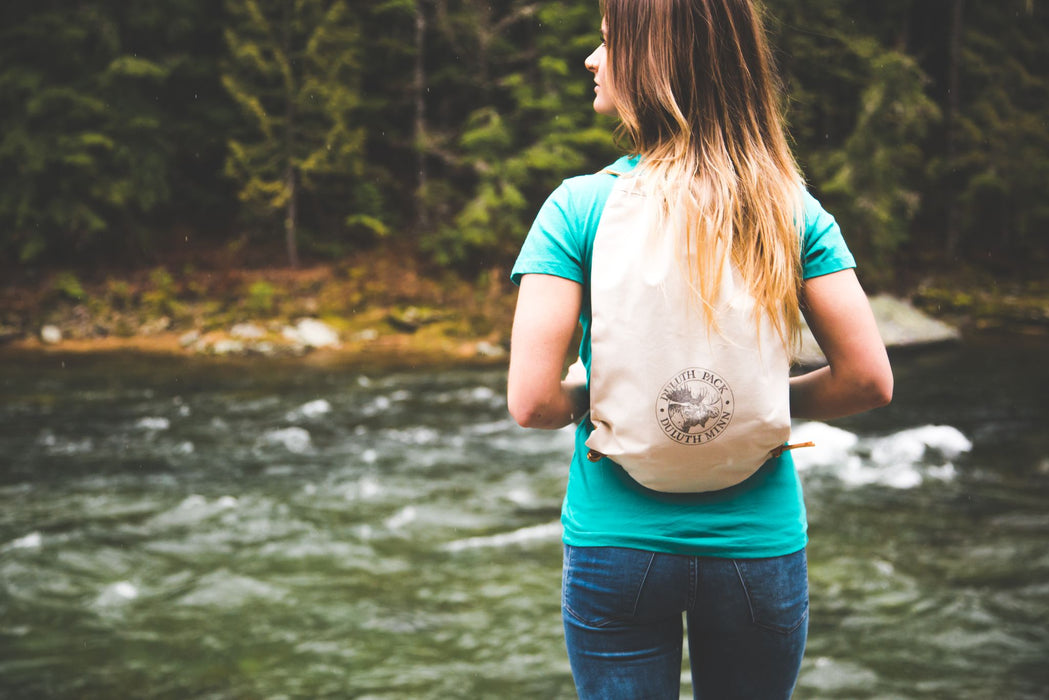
601	106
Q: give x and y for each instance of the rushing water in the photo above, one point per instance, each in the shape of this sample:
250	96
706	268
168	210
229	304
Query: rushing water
176	529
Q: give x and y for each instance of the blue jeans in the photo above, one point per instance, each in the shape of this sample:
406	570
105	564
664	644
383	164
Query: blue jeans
622	609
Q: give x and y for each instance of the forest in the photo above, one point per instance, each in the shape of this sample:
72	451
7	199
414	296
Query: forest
308	130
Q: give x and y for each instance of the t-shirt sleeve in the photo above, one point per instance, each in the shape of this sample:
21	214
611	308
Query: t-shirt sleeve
823	249
555	244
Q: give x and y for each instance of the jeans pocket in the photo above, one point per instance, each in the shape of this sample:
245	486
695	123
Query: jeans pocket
777	590
602	585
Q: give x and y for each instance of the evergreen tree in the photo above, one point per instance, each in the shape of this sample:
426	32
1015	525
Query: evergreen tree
533	127
198	113
81	137
861	114
999	166
294	69
875	180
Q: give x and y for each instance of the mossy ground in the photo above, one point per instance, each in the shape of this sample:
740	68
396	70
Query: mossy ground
382	302
980	301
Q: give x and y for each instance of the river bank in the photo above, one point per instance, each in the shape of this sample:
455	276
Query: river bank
383	306
380	305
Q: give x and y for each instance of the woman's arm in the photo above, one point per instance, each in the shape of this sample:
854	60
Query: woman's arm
858	376
544	323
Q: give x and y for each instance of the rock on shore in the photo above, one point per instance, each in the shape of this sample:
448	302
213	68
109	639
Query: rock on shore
252	339
51	335
900	324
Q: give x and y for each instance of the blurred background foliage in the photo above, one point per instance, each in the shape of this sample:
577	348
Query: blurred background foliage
310	129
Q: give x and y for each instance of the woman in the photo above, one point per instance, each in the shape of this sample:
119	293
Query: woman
692	86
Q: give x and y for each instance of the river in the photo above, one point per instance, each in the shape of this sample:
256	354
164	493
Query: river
176	528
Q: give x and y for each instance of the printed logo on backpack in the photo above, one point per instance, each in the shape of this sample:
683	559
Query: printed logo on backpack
695	406
681	404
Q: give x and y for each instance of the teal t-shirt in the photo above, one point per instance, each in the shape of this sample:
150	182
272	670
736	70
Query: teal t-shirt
763	516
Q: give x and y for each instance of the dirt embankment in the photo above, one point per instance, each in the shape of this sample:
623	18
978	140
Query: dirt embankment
381	304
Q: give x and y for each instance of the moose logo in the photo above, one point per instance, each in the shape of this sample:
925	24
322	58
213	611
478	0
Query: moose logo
695	406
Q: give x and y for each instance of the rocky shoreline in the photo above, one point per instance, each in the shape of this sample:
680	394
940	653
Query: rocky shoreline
411	332
307	338
384	305
378	305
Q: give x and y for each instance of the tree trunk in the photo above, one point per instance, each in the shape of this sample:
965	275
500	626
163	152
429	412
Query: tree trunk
953	219
422	218
291	209
291	217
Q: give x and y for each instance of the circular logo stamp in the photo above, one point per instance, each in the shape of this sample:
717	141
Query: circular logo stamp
695	406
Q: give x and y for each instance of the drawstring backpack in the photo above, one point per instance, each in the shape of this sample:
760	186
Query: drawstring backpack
680	404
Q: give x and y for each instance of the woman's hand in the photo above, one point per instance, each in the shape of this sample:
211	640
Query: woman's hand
544	323
858	376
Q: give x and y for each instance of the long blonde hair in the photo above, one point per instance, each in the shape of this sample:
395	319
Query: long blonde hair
694	86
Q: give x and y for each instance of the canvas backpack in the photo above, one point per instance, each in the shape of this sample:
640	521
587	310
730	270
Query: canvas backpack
682	405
